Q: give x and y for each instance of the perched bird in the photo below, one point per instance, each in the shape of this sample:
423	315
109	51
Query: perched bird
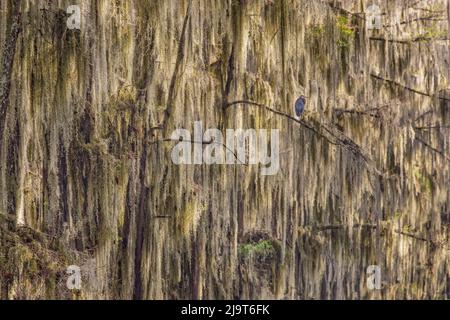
300	106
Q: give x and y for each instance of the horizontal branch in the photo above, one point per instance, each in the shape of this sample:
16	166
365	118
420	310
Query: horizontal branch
422	93
428	18
370	226
370	113
432	127
411	235
336	137
439	152
255	104
340	226
197	142
423	239
430	10
423	115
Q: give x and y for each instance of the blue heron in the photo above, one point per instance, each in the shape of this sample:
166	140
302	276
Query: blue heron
300	106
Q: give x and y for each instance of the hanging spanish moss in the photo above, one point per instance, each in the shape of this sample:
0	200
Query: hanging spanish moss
87	178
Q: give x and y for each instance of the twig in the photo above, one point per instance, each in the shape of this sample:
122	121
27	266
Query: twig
403	233
423	115
373	75
428	18
426	144
423	239
357	112
429	10
408	41
340	226
432	127
369	226
198	142
301	122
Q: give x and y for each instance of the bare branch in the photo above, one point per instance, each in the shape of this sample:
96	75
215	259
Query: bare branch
371	226
430	10
432	17
301	122
408	41
440	152
432	127
369	113
334	136
433	243
340	226
406	87
197	142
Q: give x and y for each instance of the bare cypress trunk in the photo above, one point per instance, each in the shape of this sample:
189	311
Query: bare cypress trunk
7	62
448	16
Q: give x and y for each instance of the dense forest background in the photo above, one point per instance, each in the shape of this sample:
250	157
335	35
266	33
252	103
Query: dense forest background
86	176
